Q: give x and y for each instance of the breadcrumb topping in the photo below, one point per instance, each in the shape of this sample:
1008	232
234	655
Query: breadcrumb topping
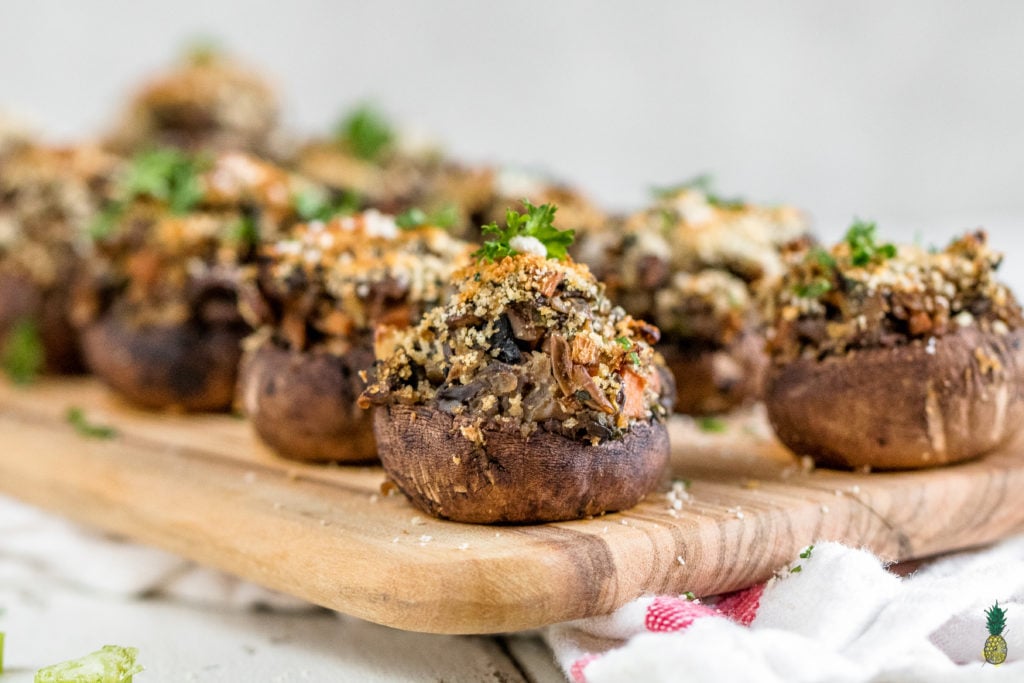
206	102
527	343
696	265
332	281
48	197
168	265
833	301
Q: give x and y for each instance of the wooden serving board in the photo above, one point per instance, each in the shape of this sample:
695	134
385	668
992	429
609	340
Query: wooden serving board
202	486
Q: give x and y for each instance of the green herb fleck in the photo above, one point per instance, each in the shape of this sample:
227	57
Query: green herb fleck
445	217
365	132
316	205
75	417
1	653
202	50
807	552
863	247
812	289
109	664
634	358
796	570
713	425
537	222
689	595
703	183
166	175
105	222
244	232
23	354
624	342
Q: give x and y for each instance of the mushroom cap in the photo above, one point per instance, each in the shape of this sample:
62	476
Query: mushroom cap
303	403
544	477
187	366
712	379
954	397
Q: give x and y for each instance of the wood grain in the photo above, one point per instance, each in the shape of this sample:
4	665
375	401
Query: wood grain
202	486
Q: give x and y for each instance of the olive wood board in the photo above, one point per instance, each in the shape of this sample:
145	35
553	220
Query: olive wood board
202	486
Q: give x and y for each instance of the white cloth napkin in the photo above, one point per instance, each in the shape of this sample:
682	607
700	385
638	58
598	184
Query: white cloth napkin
840	617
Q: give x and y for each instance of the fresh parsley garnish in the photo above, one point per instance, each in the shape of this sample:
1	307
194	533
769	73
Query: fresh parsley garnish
712	425
634	358
23	354
105	222
537	222
624	342
703	183
244	232
807	552
813	289
365	132
445	217
863	247
316	205
166	175
75	417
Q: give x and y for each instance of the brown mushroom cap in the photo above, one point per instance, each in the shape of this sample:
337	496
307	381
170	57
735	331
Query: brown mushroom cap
303	403
187	366
514	479
713	379
913	405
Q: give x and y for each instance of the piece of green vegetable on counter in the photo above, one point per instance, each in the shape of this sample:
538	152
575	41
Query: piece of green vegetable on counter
75	417
109	664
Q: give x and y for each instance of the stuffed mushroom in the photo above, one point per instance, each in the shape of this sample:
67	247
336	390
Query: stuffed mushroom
48	198
376	166
697	266
207	102
528	396
158	304
316	297
895	357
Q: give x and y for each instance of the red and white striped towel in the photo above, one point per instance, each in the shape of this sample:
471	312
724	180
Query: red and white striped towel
840	617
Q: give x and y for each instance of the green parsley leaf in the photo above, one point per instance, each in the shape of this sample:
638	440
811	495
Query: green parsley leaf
634	358
689	596
624	342
445	217
703	183
812	289
202	50
244	232
863	247
537	222
166	175
712	425
807	552
365	132
23	354
316	205
796	570
75	417
105	222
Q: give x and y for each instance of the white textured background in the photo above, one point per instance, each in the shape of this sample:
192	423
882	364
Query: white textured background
911	112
